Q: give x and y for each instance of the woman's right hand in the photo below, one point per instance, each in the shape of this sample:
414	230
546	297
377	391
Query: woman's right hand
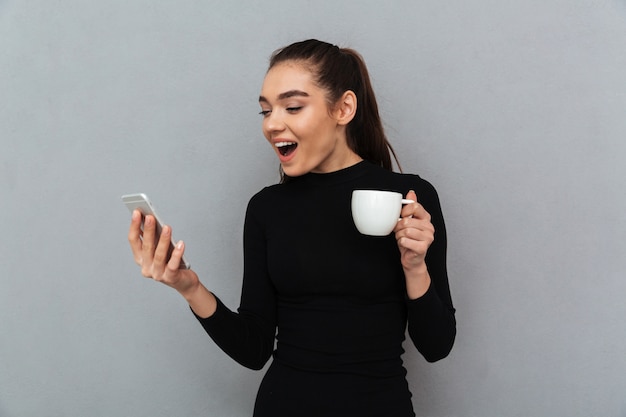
151	254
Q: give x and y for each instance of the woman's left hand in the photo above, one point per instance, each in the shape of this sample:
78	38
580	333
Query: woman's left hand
414	234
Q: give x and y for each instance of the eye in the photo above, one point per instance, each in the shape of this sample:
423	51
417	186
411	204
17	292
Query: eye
265	113
294	109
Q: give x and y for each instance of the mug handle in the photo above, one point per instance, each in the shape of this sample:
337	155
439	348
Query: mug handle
405	201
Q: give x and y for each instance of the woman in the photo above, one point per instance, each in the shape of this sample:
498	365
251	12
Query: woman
336	302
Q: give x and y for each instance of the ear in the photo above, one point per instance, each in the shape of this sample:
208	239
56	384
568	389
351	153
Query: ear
345	109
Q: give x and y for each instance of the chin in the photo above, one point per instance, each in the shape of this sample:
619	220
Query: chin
294	171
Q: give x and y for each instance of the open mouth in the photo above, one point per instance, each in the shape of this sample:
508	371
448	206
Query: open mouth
286	148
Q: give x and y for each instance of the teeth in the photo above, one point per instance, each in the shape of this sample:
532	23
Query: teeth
282	144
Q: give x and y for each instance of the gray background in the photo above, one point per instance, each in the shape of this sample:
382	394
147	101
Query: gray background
514	110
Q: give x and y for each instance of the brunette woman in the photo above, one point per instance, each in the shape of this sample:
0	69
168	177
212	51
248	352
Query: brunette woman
330	306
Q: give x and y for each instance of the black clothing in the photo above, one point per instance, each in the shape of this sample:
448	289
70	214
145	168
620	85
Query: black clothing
337	297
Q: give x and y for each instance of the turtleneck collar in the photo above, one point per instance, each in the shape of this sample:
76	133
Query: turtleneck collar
345	174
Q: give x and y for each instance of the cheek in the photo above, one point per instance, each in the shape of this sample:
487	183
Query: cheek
309	130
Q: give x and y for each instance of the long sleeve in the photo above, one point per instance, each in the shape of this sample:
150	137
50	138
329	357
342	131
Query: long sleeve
432	323
247	335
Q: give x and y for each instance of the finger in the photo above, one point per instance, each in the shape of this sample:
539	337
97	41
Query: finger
415	210
422	232
407	210
421	213
176	258
411	195
417	247
134	236
408	223
148	244
162	251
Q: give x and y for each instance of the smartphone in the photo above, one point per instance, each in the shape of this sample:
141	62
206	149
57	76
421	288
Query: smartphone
140	201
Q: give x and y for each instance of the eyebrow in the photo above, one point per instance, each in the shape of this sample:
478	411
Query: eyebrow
286	94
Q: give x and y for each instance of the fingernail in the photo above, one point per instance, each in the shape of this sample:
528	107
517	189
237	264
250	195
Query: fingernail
179	245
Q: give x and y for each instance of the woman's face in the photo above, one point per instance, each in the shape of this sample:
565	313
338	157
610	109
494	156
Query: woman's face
306	134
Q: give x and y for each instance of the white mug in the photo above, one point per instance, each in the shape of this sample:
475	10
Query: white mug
376	212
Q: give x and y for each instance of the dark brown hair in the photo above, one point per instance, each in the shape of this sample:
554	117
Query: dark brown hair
338	70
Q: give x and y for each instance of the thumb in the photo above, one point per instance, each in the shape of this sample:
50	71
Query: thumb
176	256
407	211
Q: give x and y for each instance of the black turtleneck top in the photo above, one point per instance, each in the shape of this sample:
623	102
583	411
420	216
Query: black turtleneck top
333	299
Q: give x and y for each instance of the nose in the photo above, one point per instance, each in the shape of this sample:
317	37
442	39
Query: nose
273	122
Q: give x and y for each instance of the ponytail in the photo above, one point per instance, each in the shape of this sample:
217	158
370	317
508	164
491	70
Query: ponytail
366	135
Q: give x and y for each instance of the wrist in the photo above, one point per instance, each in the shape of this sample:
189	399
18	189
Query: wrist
417	281
200	299
190	291
419	270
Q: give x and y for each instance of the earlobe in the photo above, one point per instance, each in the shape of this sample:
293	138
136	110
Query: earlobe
346	109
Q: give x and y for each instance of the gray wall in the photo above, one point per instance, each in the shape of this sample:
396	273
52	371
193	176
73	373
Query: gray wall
514	110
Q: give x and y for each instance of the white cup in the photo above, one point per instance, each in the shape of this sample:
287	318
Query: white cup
376	212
